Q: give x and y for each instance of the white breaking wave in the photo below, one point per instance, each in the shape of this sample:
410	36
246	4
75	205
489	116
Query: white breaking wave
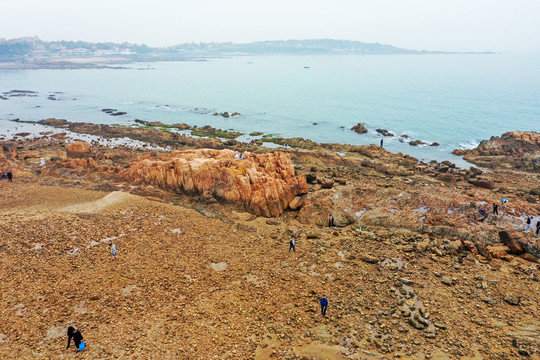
469	145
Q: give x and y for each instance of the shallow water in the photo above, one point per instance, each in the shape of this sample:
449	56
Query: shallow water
456	100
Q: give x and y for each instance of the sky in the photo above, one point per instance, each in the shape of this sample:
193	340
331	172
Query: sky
445	25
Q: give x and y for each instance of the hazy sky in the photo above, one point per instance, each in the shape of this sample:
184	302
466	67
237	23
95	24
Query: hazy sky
451	25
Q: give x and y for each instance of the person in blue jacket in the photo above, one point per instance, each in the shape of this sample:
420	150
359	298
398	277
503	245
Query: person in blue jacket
324	305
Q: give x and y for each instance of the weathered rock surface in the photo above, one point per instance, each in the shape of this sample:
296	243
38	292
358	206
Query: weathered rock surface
421	230
515	241
78	149
518	150
263	184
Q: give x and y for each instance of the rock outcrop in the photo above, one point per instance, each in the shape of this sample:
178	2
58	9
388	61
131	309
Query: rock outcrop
360	128
263	184
384	132
517	149
78	150
6	155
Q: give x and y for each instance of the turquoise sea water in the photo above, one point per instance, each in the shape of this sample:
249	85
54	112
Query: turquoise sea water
455	100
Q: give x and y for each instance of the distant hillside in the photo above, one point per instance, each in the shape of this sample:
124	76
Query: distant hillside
324	46
31	47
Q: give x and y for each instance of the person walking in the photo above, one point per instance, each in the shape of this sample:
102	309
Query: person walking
9	176
495	209
114	253
292	245
324	305
528	226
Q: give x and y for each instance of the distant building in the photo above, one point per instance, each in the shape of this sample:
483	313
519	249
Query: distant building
75	53
40	53
113	52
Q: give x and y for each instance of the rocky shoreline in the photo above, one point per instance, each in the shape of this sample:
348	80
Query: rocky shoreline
412	269
512	150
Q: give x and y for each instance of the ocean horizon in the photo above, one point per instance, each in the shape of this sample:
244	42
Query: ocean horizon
455	100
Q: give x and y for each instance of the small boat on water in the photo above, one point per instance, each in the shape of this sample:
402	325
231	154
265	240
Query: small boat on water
306	67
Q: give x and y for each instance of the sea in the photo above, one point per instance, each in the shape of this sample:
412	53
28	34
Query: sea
456	100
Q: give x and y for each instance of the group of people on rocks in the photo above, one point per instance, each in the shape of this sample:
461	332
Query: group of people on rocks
495	208
238	156
529	221
77	337
6	176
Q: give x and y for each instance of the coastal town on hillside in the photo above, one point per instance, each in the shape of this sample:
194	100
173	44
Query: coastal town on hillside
34	52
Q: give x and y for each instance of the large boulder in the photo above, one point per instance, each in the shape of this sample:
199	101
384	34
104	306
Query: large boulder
263	184
514	240
78	150
296	203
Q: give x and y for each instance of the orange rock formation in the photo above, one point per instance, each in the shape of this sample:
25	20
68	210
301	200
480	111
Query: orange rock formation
78	149
264	184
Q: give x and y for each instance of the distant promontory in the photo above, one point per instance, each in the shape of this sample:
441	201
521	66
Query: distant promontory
32	52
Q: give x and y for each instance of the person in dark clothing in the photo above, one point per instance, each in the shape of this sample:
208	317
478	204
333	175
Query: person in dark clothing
382	142
324	306
538	228
292	245
495	209
330	221
9	176
529	219
70	332
483	212
76	336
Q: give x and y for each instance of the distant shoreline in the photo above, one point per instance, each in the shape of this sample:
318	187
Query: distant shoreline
107	62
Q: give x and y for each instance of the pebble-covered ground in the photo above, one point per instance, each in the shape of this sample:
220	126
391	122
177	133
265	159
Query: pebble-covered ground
188	286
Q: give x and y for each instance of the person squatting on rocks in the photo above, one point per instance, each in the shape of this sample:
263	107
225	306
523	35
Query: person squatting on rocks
495	209
9	176
76	336
324	305
483	212
529	220
114	253
292	245
330	221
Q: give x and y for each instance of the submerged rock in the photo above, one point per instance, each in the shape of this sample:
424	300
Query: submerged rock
384	132
360	128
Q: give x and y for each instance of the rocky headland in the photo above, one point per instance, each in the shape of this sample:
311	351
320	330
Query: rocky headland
412	269
512	150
